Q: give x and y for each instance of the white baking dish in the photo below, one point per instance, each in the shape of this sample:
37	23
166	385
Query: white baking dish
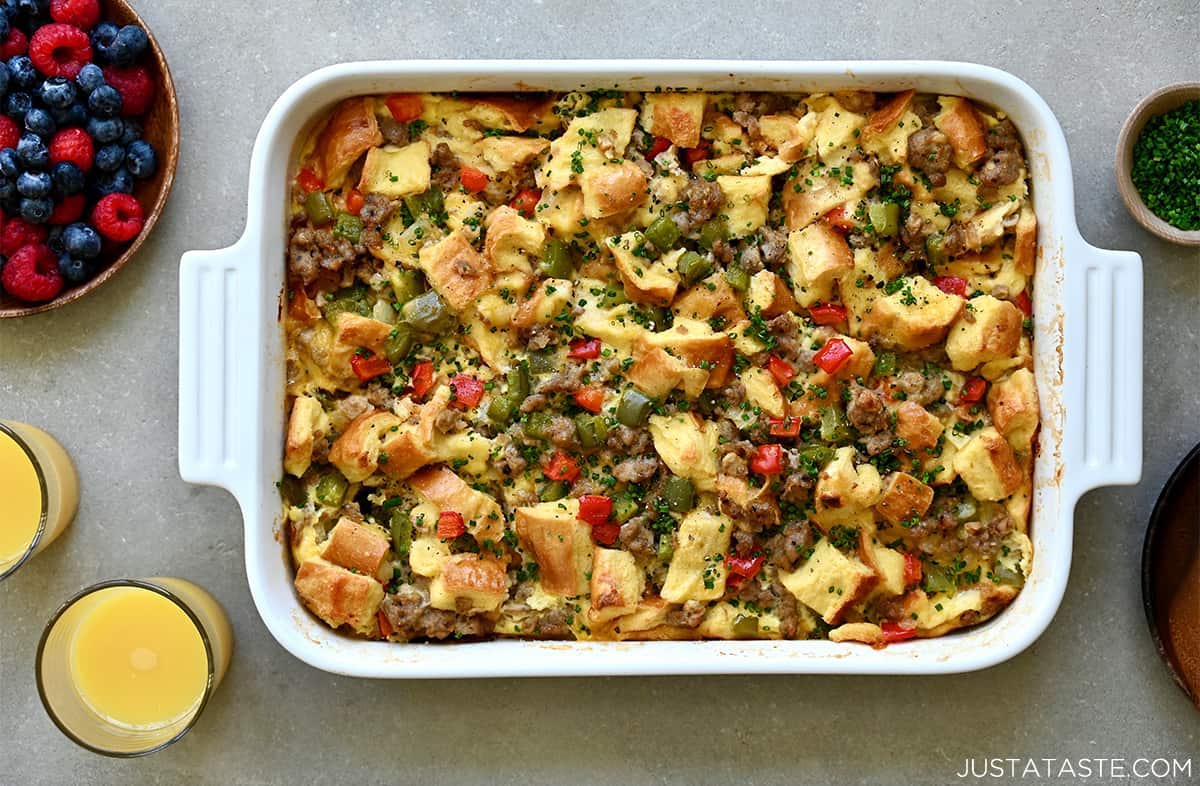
1088	326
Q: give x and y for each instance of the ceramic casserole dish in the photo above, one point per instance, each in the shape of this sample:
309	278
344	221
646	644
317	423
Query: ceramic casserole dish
1087	344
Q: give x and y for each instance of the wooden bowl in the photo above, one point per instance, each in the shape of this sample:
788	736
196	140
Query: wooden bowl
1155	104
161	129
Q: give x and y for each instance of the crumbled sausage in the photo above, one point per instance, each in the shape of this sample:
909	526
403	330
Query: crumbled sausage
636	470
929	151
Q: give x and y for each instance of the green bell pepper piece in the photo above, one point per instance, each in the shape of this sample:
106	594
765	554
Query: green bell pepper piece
556	260
402	530
318	208
885	217
693	267
553	491
712	232
885	364
663	233
331	489
624	506
427	313
737	277
592	430
634	408
348	226
679	494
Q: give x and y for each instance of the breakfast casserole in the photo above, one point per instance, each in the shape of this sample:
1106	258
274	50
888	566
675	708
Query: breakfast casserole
667	365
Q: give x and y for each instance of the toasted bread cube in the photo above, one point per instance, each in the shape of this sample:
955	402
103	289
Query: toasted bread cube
987	465
863	632
1025	250
736	498
746	202
614	326
992	332
722	620
356	332
561	211
766	165
697	570
916	316
574	150
506	153
551	297
917	426
804	203
612	189
675	117
560	542
396	171
962	125
512	242
817	255
351	131
340	597
687	444
788	134
468	582
1013	404
830	582
356	451
656	372
769	293
645	281
307	424
410	446
835	132
712	297
480	511
427	555
763	391
904	498
617	584
356	546
843	490
688	355
650	613
456	270
888	565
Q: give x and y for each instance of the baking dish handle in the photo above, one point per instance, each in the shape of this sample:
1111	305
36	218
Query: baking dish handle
212	313
1110	451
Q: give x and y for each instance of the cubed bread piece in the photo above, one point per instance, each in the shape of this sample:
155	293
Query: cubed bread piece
427	555
355	332
456	270
987	465
617	584
746	202
766	165
612	189
724	621
560	542
340	597
507	153
687	444
356	450
805	202
646	280
547	301
480	511
888	565
788	134
769	293
469	583
656	372
763	392
917	426
675	117
562	211
843	490
712	297
962	125
649	614
829	582
614	326
697	570
917	315
689	355
862	632
738	500
837	132
512	242
1013	404
356	546
817	255
351	131
904	498
1025	250
410	445
307	424
396	171
989	330
588	142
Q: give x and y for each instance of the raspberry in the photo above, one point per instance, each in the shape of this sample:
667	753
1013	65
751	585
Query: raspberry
135	86
68	210
118	217
10	133
60	50
83	14
18	233
32	274
15	43
74	145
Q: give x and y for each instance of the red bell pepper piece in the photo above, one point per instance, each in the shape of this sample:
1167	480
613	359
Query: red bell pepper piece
450	525
606	534
309	181
742	569
780	369
465	391
405	107
526	201
912	570
366	368
472	179
951	285
595	509
972	390
354	201
698	153
828	314
591	399
1024	303
767	460
831	357
385	625
422	378
893	632
660	145
561	467
839	219
585	349
785	427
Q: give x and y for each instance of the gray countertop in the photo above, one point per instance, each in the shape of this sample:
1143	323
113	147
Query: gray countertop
101	375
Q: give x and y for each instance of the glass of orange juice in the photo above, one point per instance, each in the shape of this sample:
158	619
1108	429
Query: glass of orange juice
126	667
39	493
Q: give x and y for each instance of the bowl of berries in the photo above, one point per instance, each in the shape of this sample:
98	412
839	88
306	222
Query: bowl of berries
89	141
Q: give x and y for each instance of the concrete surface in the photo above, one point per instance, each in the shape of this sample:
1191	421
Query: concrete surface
101	374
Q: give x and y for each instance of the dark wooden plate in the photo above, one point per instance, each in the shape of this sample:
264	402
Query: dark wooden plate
161	129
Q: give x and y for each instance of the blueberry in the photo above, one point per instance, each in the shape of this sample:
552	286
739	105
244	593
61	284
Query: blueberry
5	25
80	240
105	102
57	92
22	73
133	132
103	37
105	131
17	104
3	74
10	164
38	121
141	159
32	152
90	77
68	178
115	182
36	210
7	188
128	45
34	184
74	115
54	240
110	158
75	271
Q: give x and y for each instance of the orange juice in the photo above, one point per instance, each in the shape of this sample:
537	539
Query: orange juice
20	500
138	660
39	492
